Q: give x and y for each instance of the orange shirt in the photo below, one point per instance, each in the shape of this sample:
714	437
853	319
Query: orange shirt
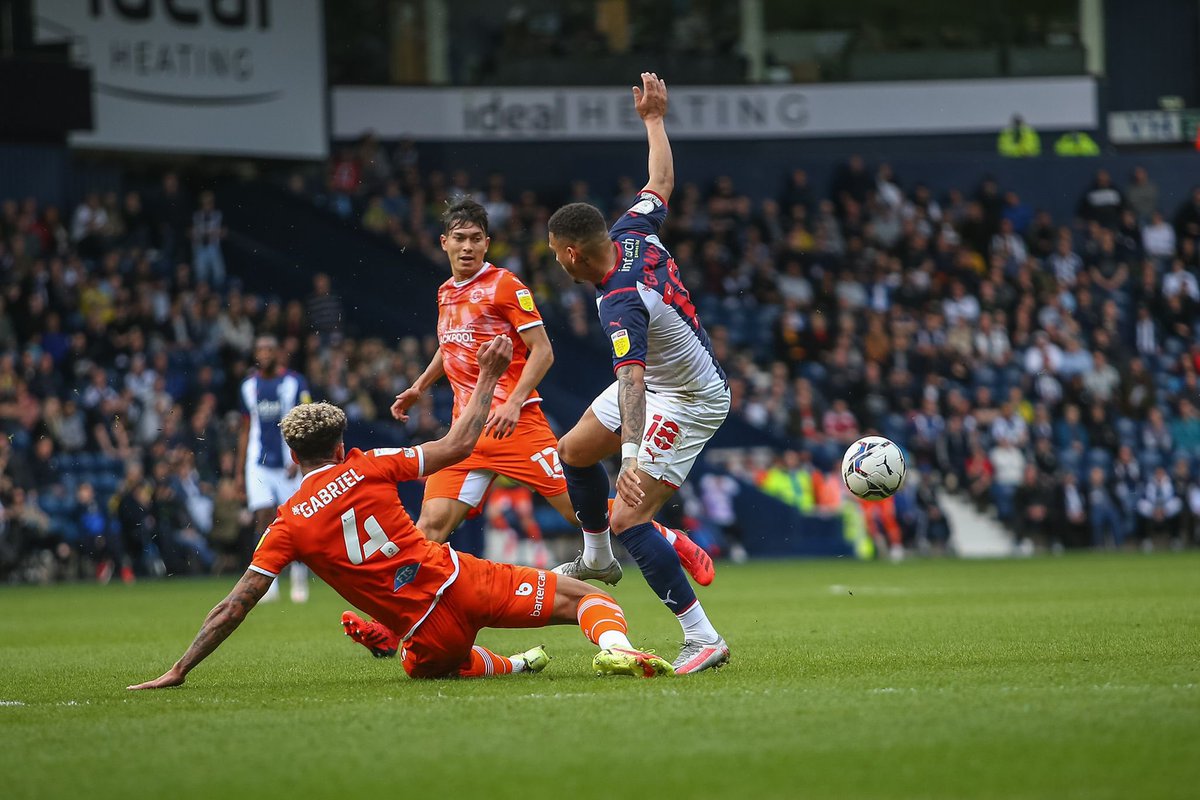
471	314
348	525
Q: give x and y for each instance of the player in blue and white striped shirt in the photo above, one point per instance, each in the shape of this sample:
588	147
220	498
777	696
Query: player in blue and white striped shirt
266	473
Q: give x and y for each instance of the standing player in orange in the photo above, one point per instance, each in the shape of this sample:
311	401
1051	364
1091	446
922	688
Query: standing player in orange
347	524
479	302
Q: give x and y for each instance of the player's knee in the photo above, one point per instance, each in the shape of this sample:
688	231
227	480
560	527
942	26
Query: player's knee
568	453
623	517
569	593
436	524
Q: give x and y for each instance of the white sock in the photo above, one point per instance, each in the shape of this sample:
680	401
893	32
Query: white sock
610	639
597	549
696	627
518	663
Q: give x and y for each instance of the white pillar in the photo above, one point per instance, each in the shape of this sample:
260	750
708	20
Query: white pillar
753	40
437	42
1091	35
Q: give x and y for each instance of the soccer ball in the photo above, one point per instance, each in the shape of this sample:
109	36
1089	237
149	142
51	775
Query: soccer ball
873	468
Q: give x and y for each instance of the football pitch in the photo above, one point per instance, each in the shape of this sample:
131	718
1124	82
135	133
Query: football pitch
1074	677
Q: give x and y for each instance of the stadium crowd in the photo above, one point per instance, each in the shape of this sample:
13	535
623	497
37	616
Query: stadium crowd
1046	369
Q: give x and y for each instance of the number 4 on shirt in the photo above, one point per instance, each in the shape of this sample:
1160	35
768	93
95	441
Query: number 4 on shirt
377	541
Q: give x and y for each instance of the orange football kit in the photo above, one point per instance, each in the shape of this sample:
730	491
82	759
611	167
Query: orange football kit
348	525
470	314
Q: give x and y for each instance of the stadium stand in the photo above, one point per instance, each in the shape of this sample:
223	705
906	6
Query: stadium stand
1045	368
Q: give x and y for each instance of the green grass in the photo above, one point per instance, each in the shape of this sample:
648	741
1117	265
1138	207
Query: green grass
1076	677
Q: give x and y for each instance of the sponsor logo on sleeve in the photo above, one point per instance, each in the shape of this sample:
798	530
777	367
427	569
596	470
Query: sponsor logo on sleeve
620	342
642	207
525	299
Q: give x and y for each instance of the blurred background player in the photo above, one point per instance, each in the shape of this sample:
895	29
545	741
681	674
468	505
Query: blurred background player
669	398
717	491
267	475
439	598
509	515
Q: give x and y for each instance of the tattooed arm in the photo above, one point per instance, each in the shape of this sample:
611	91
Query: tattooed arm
631	398
220	622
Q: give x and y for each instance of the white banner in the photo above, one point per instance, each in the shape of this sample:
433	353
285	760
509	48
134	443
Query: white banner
198	76
726	112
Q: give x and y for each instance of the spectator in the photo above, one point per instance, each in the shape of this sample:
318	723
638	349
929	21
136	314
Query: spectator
87	226
1102	203
1160	509
1187	217
172	215
1156	435
1184	430
1033	505
1071	527
790	480
1101	382
1182	284
1105	516
1142	195
207	231
717	492
1158	238
1008	464
1018	140
324	310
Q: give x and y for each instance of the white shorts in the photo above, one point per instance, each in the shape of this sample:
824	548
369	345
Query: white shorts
677	428
268	487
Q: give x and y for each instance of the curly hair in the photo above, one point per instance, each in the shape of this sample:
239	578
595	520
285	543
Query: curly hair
463	214
577	223
313	430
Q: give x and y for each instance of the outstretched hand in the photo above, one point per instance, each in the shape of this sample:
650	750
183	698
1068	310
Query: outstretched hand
405	401
172	677
651	100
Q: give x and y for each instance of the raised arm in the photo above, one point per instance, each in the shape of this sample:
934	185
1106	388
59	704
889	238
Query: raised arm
651	104
494	358
223	620
432	374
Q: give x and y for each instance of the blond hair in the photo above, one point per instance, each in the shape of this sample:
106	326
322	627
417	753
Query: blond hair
313	430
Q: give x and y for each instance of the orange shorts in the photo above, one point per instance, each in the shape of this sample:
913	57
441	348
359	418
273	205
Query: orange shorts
485	595
529	455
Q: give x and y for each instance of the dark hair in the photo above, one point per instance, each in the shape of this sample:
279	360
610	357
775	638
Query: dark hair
577	222
463	214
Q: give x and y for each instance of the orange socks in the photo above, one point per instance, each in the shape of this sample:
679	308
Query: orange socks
484	662
603	622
